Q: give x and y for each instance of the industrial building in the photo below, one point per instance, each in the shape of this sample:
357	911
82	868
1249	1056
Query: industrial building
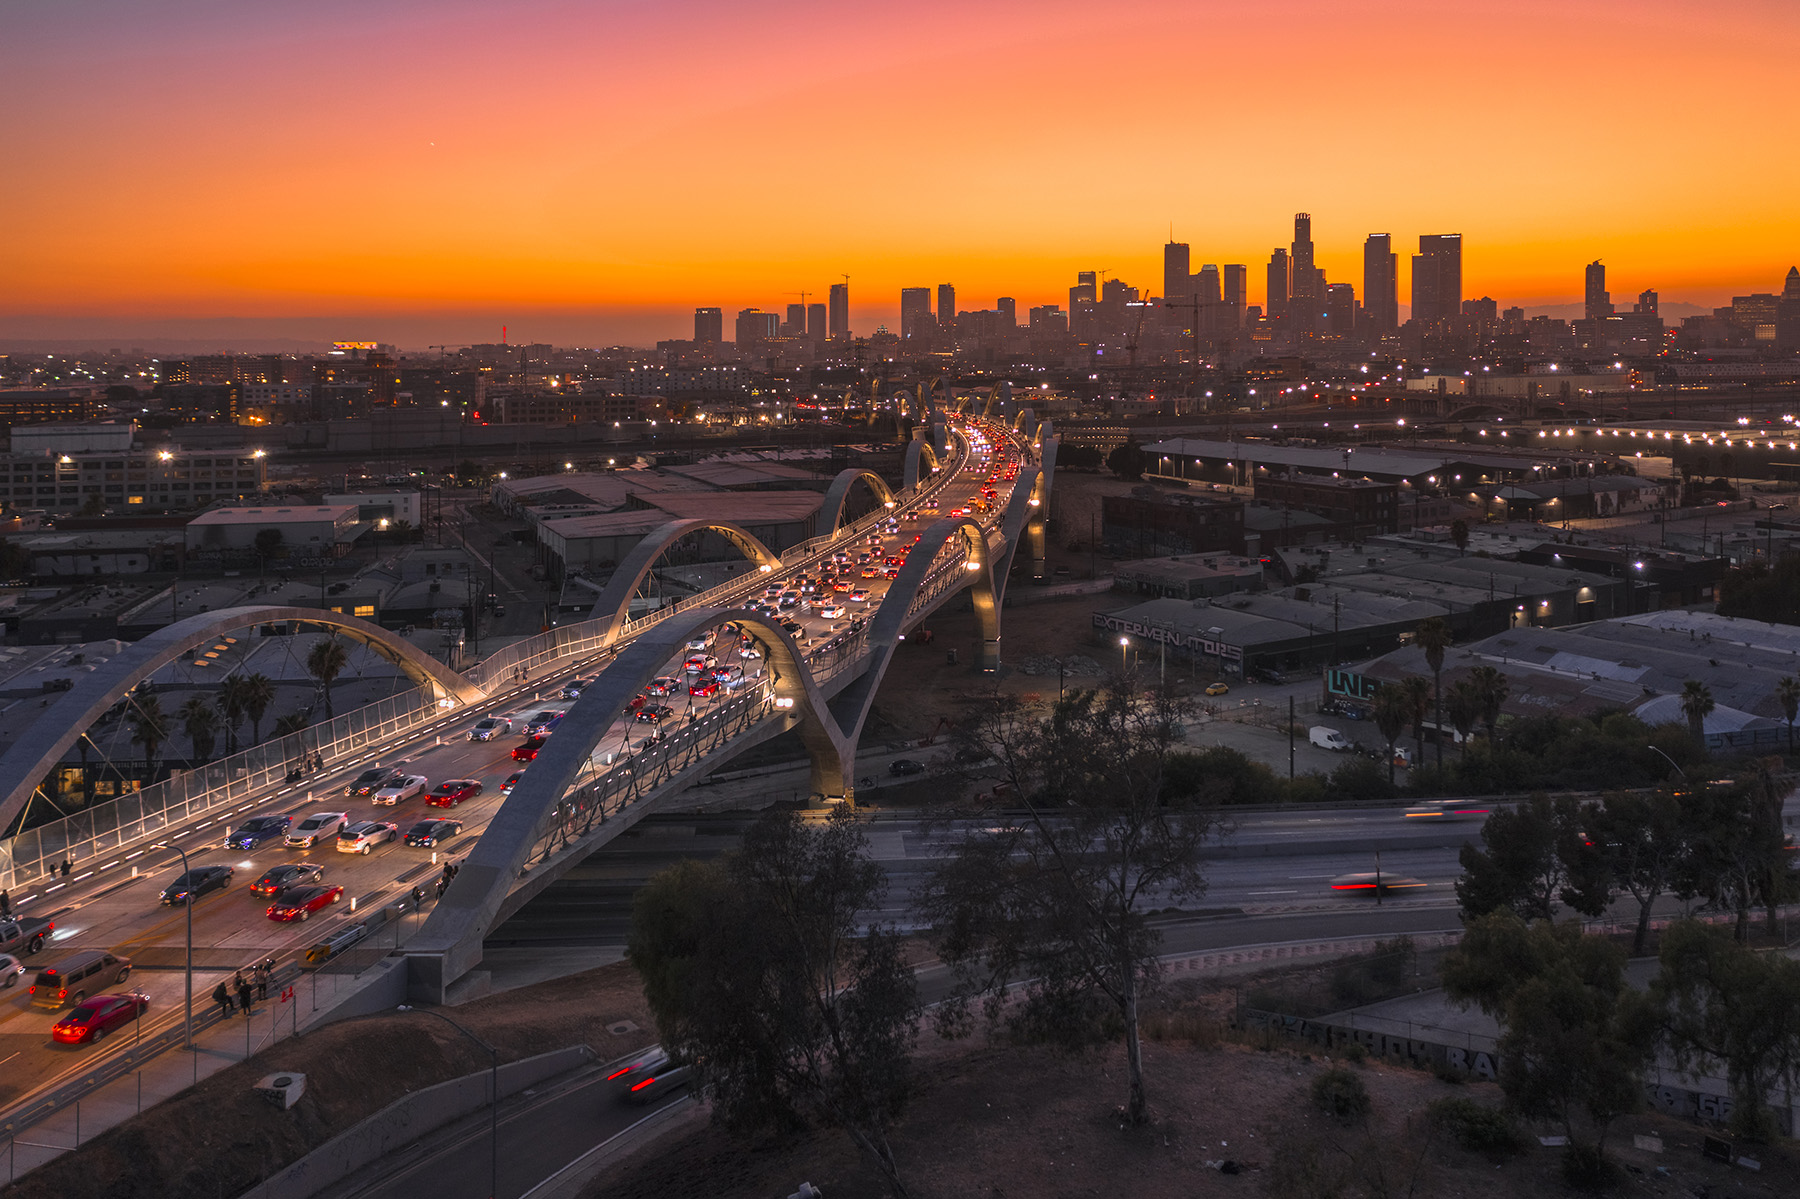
1637	664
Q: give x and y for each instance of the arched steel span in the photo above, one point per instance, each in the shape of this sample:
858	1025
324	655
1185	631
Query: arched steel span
916	449
27	762
831	512
449	944
614	604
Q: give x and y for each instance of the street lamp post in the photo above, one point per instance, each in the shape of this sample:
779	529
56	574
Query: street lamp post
187	1023
1123	643
494	1095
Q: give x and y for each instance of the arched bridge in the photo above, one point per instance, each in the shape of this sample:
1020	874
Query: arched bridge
599	774
593	780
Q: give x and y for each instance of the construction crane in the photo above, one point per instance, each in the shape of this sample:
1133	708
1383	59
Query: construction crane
1131	346
1195	307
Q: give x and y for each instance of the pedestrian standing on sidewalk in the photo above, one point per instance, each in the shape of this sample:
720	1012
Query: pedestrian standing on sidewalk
65	868
222	997
5	905
243	994
260	972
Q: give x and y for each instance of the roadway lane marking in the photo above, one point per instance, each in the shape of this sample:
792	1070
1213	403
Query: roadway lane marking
1290	892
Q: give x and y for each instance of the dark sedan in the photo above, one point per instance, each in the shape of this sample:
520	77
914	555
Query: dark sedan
428	833
195	883
96	1017
372	780
286	877
901	767
256	830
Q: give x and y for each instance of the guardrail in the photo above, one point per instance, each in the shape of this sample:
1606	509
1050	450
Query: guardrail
108	828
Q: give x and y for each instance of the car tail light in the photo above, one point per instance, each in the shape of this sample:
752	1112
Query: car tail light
640	1086
618	1072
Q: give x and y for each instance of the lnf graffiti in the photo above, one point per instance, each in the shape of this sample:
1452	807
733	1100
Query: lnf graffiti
1192	641
1698	1106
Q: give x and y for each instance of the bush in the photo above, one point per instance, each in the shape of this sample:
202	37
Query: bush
1376	975
1359	779
1477	1128
1340	1094
1356	1053
1585	1168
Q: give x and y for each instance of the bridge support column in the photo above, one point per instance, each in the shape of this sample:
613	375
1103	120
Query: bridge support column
1034	533
833	760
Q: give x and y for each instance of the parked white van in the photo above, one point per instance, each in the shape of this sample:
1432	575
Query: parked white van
1326	738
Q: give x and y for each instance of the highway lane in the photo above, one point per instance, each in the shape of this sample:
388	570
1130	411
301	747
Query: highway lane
113	904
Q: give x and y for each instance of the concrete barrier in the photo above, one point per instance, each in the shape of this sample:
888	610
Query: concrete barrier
407	1119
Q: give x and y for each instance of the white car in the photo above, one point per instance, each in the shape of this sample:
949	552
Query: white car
401	788
830	612
700	662
859	596
10	969
490	727
315	828
750	651
365	836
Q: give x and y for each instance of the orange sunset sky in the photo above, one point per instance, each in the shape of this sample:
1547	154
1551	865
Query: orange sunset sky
425	170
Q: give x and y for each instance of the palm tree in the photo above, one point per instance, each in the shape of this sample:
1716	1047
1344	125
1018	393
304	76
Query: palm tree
326	661
1696	704
1418	701
149	727
200	720
292	723
1465	709
259	693
1392	707
1433	636
1491	686
232	705
1788	692
1459	533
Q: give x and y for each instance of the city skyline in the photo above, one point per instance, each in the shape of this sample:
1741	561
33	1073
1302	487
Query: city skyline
370	182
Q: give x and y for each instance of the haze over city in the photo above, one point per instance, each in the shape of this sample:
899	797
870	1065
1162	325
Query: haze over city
588	173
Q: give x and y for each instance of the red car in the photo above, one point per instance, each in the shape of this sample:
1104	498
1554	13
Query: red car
96	1017
705	690
298	905
521	753
453	791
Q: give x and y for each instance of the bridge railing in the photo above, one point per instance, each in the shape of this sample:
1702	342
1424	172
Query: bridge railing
89	837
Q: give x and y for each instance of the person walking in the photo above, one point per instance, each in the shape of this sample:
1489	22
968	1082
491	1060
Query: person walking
222	997
243	995
5	905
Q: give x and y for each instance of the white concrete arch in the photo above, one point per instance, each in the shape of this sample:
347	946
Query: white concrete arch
614	604
918	454
24	766
449	944
831	512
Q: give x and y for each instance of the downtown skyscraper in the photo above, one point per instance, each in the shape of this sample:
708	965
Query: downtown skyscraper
840	311
1381	284
1437	277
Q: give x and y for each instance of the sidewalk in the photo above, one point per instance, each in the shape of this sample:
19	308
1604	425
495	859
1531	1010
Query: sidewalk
218	1043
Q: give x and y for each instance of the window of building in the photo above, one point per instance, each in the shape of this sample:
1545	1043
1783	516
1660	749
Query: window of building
366	611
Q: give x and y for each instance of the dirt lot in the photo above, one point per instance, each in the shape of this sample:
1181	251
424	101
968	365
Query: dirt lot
922	686
1000	1122
218	1139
